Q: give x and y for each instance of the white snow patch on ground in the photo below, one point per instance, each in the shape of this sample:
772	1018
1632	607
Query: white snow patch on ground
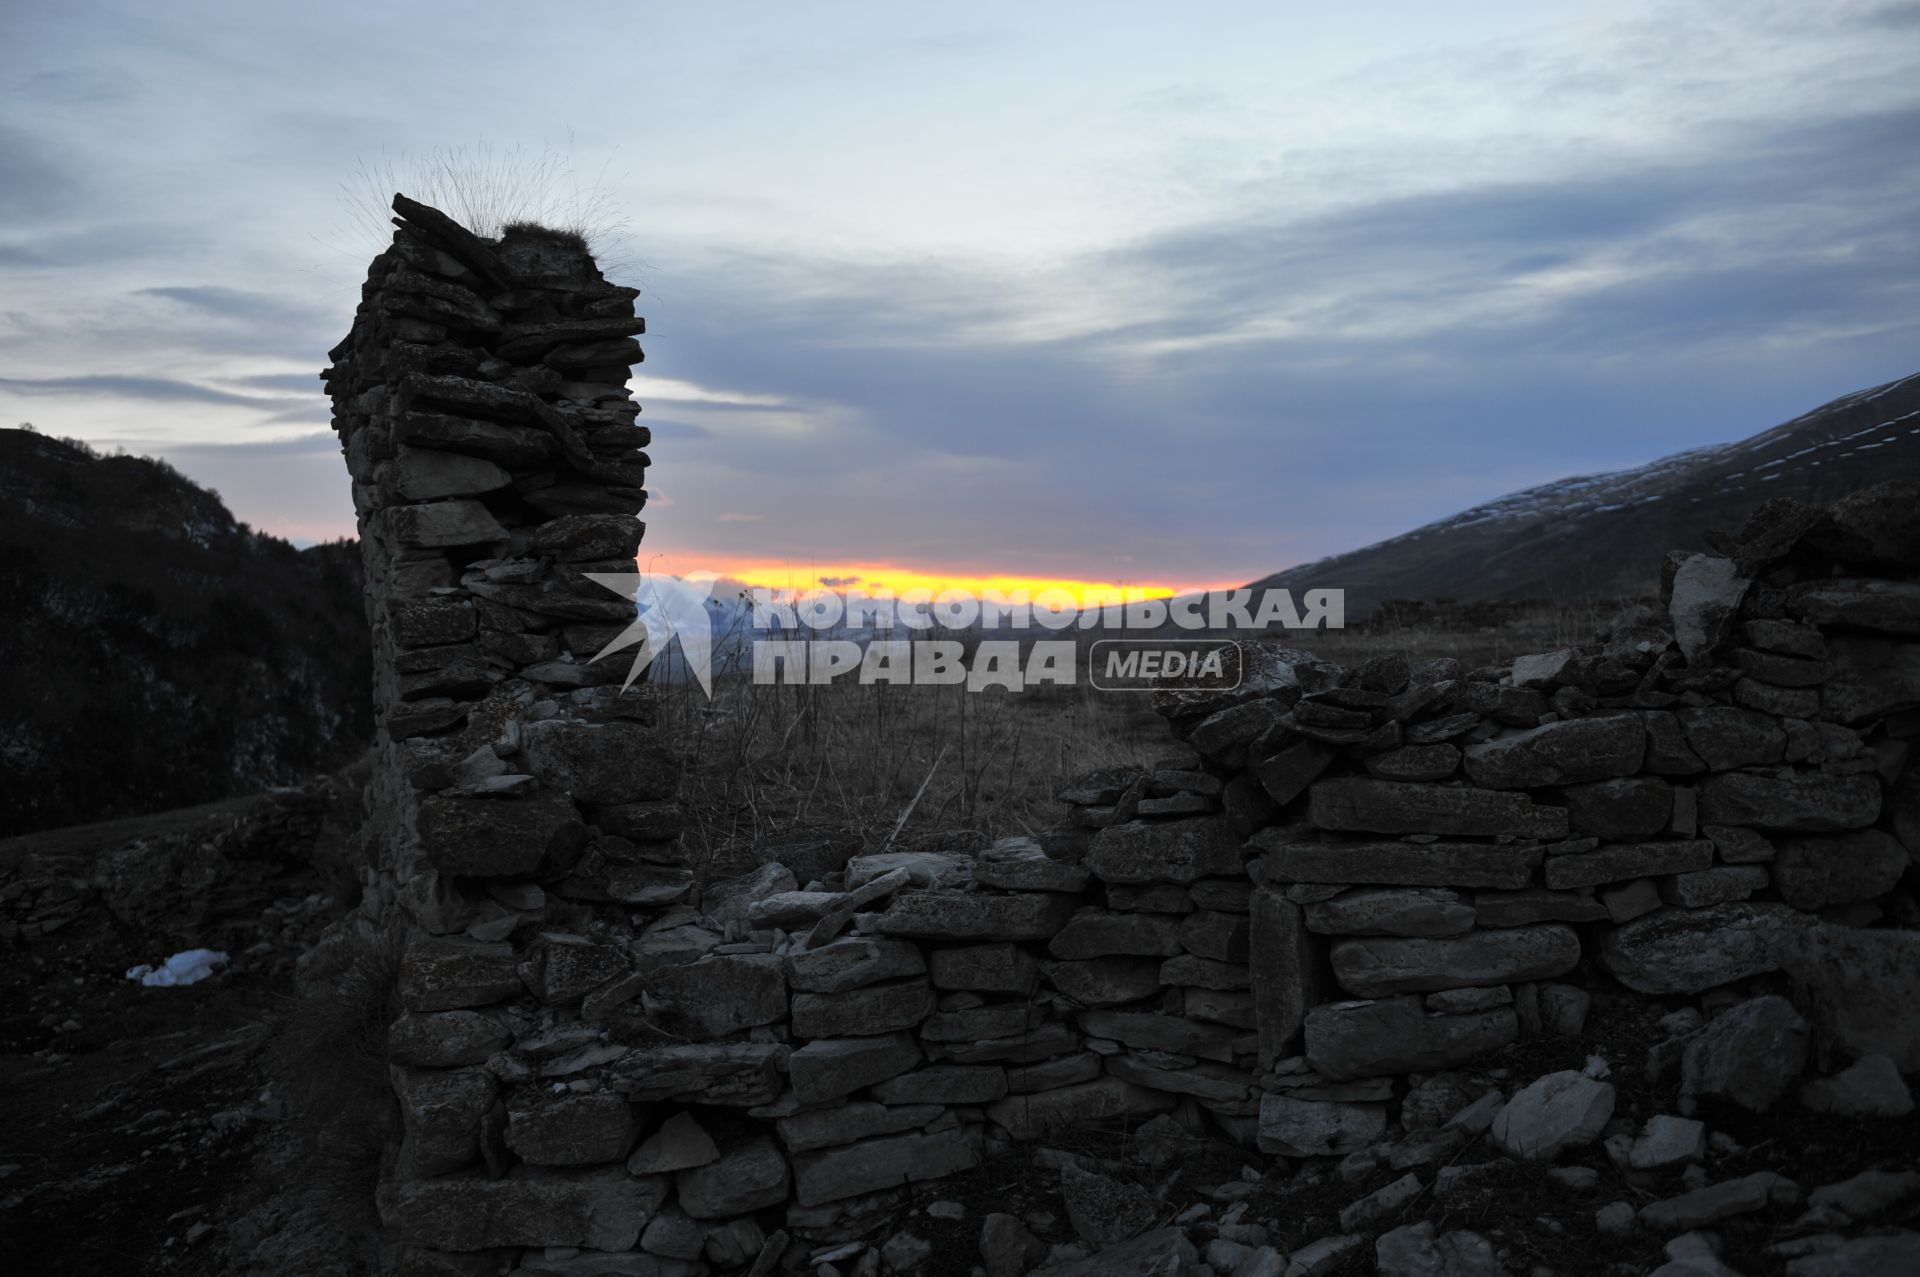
189	966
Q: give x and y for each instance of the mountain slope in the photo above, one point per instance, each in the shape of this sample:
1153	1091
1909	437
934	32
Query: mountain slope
157	652
1604	535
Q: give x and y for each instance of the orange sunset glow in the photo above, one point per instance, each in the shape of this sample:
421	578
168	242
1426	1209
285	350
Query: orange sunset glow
898	579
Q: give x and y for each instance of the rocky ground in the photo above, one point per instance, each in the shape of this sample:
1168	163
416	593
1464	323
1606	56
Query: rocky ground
1592	1170
152	1129
136	1117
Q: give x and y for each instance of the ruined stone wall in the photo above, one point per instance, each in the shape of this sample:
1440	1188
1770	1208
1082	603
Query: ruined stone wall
1443	861
1347	878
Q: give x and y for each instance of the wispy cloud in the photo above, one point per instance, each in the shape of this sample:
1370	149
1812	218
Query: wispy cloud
150	389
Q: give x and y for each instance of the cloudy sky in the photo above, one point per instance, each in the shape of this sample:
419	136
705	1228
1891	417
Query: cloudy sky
1108	292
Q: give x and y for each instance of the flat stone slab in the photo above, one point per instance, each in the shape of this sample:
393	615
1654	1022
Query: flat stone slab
493	836
1050	1039
1892	607
1360	805
1725	737
1391	911
953	915
450	973
1152	1031
1224	937
734	1074
1617	862
1372	967
994	1020
945	1084
791	909
616	762
1804	803
1416	762
1347	1040
1399	864
1693	950
877	1008
1181	851
1713	886
1105	982
1716	1202
853	963
1817	872
1314	1128
923	868
1100	933
889	1161
1625	807
857	1120
1018	864
1285	968
721	994
571	1129
445	1039
985	968
828	1068
1027	1117
1562	753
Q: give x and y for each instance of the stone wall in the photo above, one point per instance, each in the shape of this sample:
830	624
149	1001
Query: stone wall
1345	877
1701	797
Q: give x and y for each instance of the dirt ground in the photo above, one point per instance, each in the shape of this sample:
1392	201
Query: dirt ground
132	1118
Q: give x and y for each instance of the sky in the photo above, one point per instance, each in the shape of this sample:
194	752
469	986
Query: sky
1149	295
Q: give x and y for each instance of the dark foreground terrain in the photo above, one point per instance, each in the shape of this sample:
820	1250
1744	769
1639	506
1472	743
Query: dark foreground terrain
139	1119
179	1130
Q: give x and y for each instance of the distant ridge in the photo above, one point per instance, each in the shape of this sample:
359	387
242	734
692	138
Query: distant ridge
1604	535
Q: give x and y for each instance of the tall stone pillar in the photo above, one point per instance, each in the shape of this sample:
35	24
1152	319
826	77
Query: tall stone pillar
522	811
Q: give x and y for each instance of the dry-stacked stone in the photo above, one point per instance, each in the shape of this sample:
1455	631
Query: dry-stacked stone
1347	876
1442	860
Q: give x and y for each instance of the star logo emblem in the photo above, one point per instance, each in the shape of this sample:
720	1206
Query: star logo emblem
668	607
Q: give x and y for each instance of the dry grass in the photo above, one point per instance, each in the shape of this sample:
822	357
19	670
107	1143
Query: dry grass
573	239
941	767
487	189
906	767
1474	633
